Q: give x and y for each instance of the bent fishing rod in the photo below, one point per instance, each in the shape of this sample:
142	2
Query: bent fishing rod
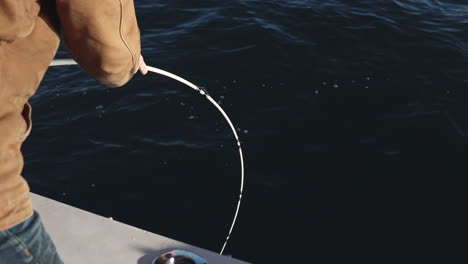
202	91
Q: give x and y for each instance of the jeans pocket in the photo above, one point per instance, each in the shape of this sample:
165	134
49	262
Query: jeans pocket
15	250
33	242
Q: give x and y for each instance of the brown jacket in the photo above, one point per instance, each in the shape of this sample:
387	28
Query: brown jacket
101	35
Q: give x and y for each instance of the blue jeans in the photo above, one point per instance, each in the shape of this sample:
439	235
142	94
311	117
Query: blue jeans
27	242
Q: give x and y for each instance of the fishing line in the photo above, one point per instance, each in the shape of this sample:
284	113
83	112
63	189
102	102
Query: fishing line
202	91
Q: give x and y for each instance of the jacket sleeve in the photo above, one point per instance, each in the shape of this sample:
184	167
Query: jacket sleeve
103	37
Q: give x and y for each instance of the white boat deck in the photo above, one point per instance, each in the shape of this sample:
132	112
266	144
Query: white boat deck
83	237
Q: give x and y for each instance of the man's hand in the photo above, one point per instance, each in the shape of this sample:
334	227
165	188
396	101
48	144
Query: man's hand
142	66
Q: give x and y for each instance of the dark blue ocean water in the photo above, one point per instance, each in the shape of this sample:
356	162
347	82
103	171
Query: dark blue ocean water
352	114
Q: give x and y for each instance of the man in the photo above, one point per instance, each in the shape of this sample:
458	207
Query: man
103	37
